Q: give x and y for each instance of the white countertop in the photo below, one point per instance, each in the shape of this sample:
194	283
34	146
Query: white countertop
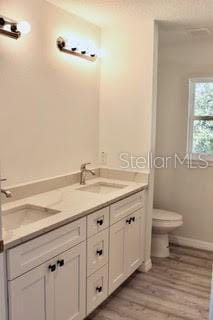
72	204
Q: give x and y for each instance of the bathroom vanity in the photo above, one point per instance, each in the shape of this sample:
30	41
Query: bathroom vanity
67	269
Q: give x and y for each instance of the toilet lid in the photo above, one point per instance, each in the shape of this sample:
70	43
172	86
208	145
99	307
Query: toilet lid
164	215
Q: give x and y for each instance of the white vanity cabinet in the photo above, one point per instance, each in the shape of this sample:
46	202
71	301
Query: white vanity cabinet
67	273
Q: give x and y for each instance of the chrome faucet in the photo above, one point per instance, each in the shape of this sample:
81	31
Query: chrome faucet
7	193
84	172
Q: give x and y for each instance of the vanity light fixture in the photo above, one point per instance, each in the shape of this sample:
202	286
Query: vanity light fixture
75	50
12	28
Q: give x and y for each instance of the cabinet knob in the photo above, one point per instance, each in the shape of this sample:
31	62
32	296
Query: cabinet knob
60	263
99	289
52	267
99	252
129	221
100	222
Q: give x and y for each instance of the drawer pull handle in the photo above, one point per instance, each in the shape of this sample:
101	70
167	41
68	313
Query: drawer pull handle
99	289
100	222
52	267
99	252
129	221
60	263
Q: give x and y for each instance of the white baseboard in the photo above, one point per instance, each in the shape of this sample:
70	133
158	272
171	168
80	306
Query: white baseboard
193	243
146	266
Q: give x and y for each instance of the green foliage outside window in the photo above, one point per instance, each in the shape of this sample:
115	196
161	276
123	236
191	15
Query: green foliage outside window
203	129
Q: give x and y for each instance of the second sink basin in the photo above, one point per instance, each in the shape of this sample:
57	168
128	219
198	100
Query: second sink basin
102	187
24	215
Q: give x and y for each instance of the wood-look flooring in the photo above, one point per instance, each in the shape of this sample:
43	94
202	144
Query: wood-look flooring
176	288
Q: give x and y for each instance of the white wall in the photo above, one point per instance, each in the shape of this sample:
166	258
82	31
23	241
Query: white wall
49	107
126	89
49	101
188	191
127	99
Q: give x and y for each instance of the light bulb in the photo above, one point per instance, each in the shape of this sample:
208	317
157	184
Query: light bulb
24	27
7	27
92	51
83	46
72	43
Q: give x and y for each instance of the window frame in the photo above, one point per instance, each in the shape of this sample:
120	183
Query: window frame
192	117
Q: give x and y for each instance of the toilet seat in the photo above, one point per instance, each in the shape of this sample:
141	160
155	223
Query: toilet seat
166	216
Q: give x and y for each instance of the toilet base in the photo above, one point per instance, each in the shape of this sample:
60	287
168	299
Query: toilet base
160	245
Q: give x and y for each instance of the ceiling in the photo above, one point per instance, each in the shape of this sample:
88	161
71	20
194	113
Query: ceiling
191	13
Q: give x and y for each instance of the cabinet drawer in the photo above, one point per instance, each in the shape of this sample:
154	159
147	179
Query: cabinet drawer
35	252
97	221
97	251
123	208
97	288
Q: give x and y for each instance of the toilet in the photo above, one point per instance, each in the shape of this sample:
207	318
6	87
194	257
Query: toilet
163	222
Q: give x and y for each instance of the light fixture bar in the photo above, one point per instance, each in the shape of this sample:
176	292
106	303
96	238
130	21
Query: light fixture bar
61	44
13	32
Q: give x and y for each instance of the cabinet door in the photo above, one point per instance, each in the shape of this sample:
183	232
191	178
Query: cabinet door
70	284
117	266
134	242
31	295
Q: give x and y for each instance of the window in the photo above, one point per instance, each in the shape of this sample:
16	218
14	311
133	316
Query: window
200	130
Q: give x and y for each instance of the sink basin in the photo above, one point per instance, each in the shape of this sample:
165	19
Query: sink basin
24	215
102	187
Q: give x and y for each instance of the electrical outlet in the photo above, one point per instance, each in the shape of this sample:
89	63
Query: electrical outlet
103	158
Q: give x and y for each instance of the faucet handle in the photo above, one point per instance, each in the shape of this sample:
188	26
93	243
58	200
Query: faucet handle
83	166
